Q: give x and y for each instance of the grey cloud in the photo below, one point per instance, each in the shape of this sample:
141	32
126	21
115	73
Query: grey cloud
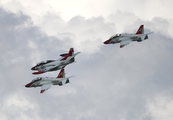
17	55
111	83
123	79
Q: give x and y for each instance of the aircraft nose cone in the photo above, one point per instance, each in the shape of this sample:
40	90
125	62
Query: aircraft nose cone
33	68
107	42
28	85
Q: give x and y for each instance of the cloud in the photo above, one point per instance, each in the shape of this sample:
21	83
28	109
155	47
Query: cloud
16	105
145	9
109	82
160	107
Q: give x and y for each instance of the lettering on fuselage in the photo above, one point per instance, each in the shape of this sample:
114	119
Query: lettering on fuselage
134	37
55	82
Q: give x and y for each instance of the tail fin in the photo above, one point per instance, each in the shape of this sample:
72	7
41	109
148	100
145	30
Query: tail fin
71	52
61	74
140	30
66	55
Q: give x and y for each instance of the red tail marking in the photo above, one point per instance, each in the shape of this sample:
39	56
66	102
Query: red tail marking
71	51
61	74
140	30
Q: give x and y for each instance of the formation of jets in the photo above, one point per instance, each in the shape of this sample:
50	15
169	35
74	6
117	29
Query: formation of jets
52	65
67	58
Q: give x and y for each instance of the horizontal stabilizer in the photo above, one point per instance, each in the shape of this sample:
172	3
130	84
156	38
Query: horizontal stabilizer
76	53
143	37
66	80
150	33
64	54
63	82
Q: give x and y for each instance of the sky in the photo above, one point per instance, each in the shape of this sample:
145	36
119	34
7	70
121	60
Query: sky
112	83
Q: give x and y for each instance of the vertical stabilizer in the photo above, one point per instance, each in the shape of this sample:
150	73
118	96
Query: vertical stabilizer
66	55
71	52
140	30
61	74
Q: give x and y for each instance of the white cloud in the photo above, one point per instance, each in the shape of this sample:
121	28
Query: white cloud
17	106
160	107
52	15
109	82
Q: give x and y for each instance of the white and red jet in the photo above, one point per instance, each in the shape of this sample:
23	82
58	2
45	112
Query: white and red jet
53	65
46	82
125	39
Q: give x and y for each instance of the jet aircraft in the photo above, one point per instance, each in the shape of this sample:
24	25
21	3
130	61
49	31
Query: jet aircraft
53	65
46	82
125	39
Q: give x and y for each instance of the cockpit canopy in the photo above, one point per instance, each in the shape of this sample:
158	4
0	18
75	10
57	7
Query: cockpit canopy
44	62
115	36
36	79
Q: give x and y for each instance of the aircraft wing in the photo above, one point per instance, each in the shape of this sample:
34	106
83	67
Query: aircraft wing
45	87
124	43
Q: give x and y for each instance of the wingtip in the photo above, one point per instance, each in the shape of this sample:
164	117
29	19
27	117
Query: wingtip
121	46
42	91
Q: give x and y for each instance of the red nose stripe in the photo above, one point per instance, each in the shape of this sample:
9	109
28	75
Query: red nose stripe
107	42
28	85
35	73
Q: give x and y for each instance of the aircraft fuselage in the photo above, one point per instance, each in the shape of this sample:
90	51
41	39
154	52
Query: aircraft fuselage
46	80
122	37
48	66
